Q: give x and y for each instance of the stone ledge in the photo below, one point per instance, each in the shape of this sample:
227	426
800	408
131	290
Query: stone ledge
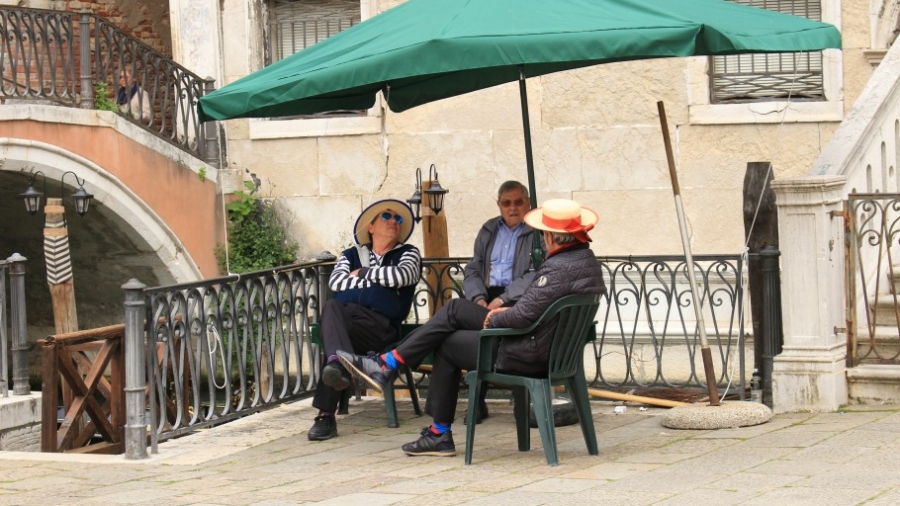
20	422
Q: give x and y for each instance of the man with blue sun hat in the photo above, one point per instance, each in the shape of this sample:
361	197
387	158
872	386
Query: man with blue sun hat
373	284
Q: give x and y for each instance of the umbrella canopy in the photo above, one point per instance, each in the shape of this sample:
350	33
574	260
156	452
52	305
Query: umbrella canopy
426	50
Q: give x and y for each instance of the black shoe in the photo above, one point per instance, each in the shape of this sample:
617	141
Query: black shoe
324	428
367	367
432	444
480	414
335	376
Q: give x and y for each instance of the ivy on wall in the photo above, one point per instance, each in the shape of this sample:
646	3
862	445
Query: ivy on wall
256	236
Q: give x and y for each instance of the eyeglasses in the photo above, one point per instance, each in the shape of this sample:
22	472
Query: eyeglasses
386	216
517	203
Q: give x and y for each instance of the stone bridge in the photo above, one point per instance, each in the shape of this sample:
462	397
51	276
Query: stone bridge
157	213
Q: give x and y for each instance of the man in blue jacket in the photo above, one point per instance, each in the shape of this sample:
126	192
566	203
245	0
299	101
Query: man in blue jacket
452	333
373	285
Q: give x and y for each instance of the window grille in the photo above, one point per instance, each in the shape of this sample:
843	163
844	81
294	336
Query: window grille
770	76
297	24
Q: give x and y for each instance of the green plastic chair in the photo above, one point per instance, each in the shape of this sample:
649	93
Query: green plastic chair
575	315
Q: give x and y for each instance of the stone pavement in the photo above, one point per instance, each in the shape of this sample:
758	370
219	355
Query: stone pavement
844	458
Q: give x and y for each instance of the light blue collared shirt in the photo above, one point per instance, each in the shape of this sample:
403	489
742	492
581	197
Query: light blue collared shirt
504	252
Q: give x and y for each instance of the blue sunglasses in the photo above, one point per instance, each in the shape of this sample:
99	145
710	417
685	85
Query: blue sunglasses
386	216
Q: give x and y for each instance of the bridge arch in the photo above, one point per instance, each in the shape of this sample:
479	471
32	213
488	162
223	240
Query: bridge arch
111	197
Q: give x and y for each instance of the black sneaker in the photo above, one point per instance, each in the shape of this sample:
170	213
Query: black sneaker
367	367
325	427
431	444
335	376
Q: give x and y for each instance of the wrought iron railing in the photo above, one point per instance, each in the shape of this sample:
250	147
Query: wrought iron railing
226	347
61	57
873	308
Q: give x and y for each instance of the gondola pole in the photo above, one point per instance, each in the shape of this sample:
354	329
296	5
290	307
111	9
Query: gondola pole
689	259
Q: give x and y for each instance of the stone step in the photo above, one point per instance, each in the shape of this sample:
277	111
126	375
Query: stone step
886	311
887	344
874	384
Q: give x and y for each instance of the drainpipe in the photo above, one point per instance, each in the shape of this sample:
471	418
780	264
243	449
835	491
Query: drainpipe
771	321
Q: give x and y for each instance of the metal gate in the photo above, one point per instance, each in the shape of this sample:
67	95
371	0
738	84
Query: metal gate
872	242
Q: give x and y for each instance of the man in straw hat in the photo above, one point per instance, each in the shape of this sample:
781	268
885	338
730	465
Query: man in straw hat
452	333
373	285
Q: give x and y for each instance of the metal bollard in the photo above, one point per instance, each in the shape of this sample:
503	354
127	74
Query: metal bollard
324	292
18	325
771	324
4	364
135	406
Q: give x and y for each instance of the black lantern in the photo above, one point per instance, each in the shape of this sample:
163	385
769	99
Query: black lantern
32	197
415	202
435	194
82	201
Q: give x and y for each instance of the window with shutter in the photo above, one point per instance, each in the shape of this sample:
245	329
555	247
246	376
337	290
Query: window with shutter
297	24
761	77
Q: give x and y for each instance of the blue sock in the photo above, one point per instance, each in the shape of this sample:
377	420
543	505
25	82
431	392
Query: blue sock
390	360
440	428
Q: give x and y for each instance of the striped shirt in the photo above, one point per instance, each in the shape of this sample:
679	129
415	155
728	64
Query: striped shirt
405	273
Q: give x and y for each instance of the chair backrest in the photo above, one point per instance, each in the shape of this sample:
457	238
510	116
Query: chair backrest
575	315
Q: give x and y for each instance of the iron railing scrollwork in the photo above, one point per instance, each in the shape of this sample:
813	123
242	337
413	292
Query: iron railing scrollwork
60	56
647	334
872	231
226	347
230	346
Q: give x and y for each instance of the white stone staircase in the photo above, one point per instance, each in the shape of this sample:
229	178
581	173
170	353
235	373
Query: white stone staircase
863	150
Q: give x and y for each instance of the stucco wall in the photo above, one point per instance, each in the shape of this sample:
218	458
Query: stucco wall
184	202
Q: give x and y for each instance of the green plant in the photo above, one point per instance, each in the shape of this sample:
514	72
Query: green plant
202	173
256	236
102	102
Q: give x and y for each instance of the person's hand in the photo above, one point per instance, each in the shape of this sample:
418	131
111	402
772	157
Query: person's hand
492	312
355	273
482	303
495	303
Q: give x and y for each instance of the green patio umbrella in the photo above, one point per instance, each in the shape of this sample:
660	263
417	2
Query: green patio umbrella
426	50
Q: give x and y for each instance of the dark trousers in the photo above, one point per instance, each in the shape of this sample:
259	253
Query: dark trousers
350	327
452	334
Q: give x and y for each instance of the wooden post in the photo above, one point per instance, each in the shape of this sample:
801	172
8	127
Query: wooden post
434	239
761	229
58	261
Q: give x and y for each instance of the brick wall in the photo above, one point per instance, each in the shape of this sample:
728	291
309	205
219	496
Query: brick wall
146	20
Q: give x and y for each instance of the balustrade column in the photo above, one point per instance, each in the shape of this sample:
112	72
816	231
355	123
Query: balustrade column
809	374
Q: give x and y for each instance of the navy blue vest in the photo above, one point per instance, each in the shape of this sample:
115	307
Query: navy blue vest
393	303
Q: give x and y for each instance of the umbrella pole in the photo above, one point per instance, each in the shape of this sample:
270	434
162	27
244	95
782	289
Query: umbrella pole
526	126
686	244
537	253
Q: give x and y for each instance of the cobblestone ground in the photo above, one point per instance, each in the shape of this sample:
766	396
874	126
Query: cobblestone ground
842	458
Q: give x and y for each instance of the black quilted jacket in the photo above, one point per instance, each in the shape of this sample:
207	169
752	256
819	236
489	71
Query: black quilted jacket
568	271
